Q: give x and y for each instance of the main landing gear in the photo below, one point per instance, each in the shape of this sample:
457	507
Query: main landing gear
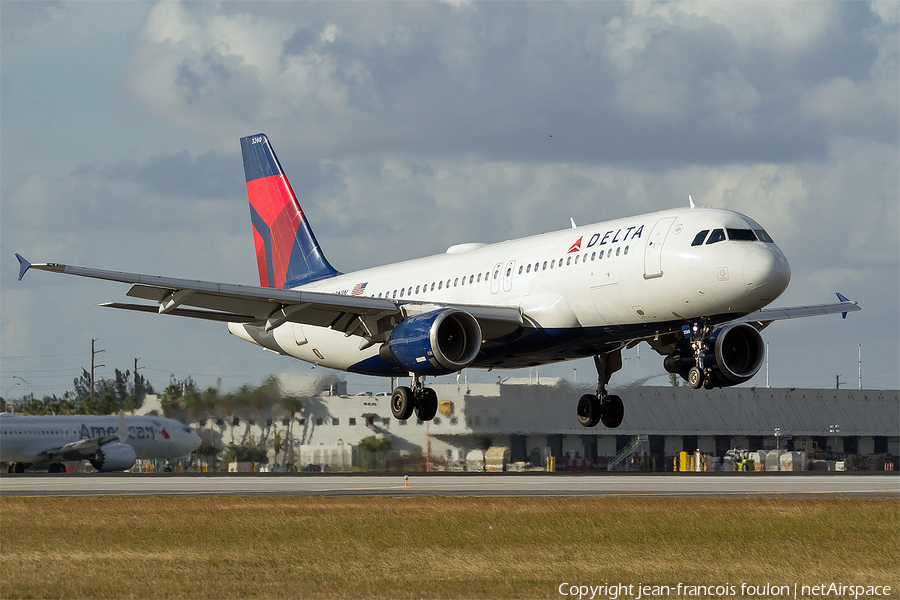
602	407
421	399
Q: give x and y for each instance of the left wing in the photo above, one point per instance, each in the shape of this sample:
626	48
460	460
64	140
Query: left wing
81	449
370	318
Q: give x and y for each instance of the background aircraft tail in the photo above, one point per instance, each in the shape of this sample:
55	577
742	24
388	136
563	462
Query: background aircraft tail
287	252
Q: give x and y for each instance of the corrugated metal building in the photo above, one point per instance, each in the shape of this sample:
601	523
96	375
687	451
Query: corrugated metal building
537	420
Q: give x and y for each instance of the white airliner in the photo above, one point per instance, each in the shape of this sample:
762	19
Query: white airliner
691	282
110	443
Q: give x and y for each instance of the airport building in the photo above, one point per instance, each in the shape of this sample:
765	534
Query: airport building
534	421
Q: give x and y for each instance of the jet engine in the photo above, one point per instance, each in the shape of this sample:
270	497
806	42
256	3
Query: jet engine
434	343
734	354
114	457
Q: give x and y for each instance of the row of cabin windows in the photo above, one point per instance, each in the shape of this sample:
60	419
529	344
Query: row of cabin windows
35	432
538	266
735	235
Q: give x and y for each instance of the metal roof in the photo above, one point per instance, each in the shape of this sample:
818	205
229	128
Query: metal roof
759	411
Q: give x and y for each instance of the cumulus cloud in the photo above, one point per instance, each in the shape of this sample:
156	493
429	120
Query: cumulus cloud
409	127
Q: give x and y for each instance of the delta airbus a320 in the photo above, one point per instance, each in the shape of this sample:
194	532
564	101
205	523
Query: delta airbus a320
692	283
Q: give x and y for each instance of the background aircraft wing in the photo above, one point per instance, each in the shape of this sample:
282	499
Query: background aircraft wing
371	318
762	318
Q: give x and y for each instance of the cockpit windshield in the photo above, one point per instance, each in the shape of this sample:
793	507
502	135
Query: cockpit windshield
734	234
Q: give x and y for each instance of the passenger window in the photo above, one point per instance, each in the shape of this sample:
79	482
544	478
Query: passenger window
618	250
626	249
698	239
741	235
718	235
545	265
576	259
552	262
440	284
520	269
401	293
471	279
528	270
456	282
417	289
569	261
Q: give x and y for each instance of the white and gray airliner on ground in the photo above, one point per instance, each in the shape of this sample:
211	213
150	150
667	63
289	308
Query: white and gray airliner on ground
692	283
110	443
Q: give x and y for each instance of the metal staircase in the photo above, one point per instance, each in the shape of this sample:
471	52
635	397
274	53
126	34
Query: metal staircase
626	451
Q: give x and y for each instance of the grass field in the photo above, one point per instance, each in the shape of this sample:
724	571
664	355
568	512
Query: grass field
233	547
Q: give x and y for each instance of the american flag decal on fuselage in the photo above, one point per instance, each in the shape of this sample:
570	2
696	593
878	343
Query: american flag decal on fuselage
358	289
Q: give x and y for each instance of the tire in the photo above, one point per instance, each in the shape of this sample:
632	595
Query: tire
695	378
402	403
612	412
588	410
427	405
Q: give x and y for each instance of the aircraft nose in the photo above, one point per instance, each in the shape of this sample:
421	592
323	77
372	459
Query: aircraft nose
767	272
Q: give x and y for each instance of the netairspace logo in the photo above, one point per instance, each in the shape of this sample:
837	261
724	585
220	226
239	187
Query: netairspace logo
616	591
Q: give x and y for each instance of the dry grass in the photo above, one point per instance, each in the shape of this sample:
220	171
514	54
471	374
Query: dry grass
232	547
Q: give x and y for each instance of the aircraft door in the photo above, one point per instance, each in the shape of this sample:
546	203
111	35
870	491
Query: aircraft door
495	277
653	253
508	276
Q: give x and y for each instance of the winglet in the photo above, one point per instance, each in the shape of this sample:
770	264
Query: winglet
123	429
24	265
844	298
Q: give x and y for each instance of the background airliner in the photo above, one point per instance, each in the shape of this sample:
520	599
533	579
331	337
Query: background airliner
692	283
110	443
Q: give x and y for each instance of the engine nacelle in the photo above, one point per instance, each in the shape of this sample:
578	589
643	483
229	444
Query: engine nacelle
114	457
434	343
734	354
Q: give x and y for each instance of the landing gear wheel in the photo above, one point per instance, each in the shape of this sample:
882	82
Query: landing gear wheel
708	382
695	378
402	403
612	412
588	410
428	404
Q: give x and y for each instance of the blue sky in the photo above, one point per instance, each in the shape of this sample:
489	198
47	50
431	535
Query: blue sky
406	128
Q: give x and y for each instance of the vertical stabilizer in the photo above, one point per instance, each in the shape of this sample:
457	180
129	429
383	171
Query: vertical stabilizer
287	252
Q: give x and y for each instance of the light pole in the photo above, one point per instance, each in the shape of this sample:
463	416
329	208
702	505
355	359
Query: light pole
30	389
834	430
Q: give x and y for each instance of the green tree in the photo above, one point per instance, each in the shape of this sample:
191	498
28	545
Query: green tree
372	451
244	453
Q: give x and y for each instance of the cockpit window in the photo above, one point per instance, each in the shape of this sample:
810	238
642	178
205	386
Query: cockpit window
763	236
698	240
741	235
718	235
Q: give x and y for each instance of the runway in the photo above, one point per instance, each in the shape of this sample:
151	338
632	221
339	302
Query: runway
838	485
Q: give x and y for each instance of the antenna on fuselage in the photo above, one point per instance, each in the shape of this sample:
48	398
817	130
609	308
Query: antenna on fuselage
691	200
571	220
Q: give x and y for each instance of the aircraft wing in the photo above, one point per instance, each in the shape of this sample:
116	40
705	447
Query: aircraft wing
763	318
85	448
370	318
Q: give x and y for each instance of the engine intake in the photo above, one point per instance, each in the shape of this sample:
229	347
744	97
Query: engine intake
735	353
114	457
434	343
